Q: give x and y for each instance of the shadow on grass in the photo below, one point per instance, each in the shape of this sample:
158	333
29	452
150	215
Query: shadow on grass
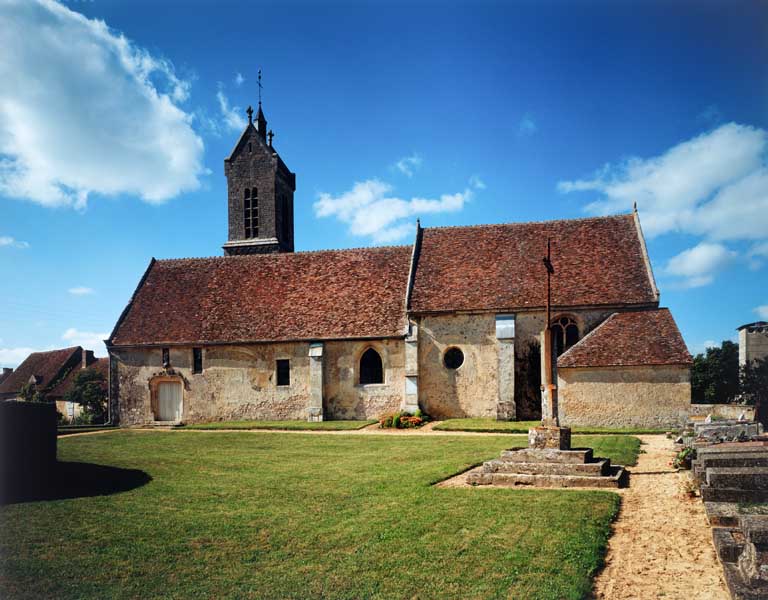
71	480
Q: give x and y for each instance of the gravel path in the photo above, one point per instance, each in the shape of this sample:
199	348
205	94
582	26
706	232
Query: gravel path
661	545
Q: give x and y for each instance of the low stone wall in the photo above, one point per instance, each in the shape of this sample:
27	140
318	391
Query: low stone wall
726	411
646	397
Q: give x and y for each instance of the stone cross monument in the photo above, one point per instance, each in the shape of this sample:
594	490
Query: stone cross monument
549	434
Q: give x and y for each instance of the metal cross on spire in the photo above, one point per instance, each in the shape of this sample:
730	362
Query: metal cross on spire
260	86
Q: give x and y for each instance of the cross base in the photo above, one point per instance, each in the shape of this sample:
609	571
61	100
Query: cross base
558	438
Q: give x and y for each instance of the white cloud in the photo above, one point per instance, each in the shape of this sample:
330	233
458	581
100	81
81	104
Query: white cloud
13	357
762	311
370	210
83	110
408	165
81	291
713	185
477	183
527	126
239	79
6	240
87	339
698	266
232	115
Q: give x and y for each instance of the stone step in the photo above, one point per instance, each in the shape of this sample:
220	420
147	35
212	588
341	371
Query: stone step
616	478
548	455
729	542
720	494
596	467
748	478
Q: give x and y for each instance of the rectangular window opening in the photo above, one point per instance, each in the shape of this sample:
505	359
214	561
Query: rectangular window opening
283	371
166	357
197	360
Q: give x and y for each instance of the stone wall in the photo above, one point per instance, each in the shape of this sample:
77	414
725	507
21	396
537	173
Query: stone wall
237	382
472	390
655	397
753	343
344	397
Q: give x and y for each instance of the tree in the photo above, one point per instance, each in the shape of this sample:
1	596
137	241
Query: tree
754	388
89	390
715	375
29	393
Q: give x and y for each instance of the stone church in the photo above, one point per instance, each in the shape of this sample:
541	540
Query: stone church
449	324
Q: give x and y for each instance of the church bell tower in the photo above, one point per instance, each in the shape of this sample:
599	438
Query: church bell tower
259	193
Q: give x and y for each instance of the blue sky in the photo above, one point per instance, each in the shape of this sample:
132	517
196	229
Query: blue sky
116	116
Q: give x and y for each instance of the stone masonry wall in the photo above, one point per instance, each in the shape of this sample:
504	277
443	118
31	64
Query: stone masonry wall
655	397
344	397
471	390
237	382
753	344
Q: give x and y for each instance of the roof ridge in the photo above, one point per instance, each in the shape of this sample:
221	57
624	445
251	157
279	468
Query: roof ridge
300	252
544	222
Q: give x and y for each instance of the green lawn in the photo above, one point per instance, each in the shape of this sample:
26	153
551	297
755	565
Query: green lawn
494	426
249	515
285	425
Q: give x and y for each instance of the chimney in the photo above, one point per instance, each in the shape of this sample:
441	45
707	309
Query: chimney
6	371
87	358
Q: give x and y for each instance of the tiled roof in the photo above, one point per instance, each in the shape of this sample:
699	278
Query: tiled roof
47	366
644	337
331	294
60	389
597	261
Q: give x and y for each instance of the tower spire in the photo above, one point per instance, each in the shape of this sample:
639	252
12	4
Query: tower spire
261	120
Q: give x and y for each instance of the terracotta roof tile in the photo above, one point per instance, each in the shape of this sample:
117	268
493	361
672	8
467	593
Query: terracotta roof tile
331	294
48	366
646	337
597	261
64	385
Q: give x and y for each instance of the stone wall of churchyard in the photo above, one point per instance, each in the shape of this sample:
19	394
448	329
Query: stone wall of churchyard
344	397
650	396
237	382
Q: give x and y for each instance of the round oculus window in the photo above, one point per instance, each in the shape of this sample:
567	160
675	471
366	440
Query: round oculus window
453	358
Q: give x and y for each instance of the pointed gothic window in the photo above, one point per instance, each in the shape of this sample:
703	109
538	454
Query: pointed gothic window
371	370
251	213
565	333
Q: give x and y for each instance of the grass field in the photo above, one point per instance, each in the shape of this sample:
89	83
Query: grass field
249	515
494	426
284	425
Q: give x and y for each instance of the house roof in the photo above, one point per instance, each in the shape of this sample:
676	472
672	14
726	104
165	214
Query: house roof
635	338
333	294
46	367
597	261
65	384
757	325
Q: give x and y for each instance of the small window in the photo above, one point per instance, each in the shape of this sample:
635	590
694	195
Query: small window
197	360
453	358
251	213
371	370
166	357
283	371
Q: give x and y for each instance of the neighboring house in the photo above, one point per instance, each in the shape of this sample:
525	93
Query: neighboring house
450	324
52	373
